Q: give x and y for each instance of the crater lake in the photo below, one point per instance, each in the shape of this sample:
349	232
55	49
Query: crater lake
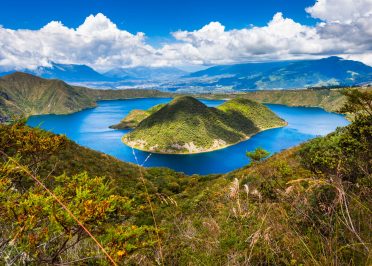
90	128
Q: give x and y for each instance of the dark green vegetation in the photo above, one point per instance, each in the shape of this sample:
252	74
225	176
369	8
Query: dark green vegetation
24	94
309	205
186	125
123	94
257	155
135	117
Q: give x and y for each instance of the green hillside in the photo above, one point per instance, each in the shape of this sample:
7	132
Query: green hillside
260	115
329	99
135	117
24	95
186	125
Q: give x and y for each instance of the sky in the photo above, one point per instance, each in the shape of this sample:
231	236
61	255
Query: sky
106	34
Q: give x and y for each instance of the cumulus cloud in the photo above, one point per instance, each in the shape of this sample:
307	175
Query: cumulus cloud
347	22
97	42
282	38
343	11
344	29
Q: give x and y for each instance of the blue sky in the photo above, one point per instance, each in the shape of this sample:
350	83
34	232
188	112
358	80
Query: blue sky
155	18
106	34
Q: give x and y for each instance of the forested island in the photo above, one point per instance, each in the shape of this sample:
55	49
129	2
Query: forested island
186	125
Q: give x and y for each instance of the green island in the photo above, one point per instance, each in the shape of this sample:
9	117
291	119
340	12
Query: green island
185	125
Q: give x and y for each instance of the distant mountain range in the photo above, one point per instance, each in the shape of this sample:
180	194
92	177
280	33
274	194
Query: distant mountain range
145	73
65	72
83	73
287	74
331	71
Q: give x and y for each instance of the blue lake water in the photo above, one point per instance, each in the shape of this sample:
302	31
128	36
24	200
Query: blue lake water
90	128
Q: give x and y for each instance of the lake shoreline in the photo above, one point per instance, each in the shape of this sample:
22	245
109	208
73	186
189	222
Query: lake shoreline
206	151
89	128
27	116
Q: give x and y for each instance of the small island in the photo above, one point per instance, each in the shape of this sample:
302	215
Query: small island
135	117
187	126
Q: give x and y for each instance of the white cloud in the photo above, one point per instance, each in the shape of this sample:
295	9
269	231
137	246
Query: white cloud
282	38
343	11
345	29
97	42
347	22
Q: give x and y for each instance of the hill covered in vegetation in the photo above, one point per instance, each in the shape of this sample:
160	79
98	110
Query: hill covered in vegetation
135	117
24	95
309	205
329	99
186	125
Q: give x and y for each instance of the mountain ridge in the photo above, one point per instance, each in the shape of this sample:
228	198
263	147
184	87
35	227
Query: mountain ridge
145	73
27	94
288	74
24	94
84	73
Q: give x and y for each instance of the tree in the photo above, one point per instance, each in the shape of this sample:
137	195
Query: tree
358	102
258	154
345	153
